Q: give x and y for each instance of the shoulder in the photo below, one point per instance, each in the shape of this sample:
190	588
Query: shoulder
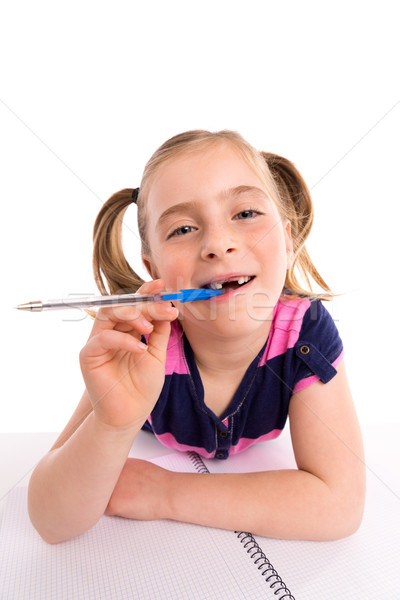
319	329
319	348
289	312
301	317
304	332
287	322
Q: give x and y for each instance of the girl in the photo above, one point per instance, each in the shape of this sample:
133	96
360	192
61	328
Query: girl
215	375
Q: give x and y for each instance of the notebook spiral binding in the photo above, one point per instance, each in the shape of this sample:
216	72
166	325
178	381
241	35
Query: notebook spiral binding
251	546
197	462
264	565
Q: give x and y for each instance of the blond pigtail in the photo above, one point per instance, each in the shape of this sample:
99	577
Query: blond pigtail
109	262
297	206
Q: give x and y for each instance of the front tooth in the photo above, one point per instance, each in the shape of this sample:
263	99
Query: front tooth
243	279
216	286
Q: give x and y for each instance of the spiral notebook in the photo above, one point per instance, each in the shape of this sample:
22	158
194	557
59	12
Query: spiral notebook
121	559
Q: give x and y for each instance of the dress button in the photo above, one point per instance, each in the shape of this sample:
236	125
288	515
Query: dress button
223	434
220	455
304	349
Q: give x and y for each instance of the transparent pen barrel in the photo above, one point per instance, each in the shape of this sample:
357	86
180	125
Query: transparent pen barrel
98	301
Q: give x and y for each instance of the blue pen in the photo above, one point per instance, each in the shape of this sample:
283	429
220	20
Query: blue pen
190	295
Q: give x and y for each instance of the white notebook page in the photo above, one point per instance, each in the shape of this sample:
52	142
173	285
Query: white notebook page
120	559
365	566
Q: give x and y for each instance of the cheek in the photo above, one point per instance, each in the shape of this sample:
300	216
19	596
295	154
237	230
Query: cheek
272	246
274	255
174	268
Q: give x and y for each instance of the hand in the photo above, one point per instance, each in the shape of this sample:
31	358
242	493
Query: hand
140	492
123	377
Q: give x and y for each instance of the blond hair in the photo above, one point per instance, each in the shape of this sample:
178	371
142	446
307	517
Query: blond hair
281	178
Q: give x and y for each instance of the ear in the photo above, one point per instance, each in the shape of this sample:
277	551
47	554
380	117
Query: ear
150	267
288	244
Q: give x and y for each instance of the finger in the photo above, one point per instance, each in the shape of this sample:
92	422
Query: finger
138	316
106	317
157	341
144	326
154	310
152	287
159	311
110	340
125	318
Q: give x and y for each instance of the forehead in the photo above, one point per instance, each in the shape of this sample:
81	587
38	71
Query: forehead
198	174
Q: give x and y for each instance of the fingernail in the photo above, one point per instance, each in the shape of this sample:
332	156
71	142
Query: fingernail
141	346
170	308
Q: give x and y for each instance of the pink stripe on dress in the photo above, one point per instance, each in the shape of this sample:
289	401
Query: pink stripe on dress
245	443
175	355
286	325
167	439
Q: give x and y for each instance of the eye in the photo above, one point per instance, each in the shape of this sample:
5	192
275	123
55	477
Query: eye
247	214
184	230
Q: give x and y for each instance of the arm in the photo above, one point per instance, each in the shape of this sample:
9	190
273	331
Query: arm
321	500
71	486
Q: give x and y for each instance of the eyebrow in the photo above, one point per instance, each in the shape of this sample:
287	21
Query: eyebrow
235	192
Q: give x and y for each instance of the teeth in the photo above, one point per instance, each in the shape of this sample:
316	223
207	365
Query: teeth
218	285
242	280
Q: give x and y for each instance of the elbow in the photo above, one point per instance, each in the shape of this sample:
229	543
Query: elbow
50	539
337	509
347	526
337	525
347	514
354	517
47	535
53	533
40	520
354	504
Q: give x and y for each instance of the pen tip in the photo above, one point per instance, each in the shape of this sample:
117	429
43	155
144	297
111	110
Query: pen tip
30	306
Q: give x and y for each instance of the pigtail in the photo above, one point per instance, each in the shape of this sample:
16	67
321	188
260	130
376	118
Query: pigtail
109	261
298	208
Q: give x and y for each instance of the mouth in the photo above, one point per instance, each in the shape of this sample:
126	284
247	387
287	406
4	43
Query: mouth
230	283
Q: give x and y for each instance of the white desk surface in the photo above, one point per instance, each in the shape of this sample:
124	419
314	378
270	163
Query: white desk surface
21	451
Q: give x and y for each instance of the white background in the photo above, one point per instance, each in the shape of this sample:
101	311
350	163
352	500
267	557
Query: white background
88	90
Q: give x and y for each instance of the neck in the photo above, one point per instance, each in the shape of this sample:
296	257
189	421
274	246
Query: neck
216	353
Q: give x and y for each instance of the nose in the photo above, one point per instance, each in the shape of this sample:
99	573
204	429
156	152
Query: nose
217	244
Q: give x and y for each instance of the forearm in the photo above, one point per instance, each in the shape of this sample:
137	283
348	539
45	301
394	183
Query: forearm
281	504
70	487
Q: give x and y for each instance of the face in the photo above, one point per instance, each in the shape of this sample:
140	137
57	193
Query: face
211	223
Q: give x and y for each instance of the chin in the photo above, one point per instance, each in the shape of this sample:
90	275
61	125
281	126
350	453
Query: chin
241	326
